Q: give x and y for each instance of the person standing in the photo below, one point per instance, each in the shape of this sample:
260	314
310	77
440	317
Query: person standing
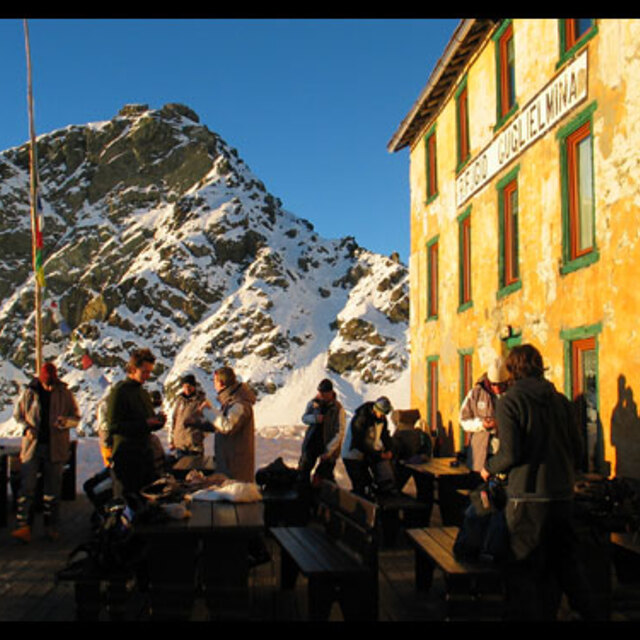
540	449
325	418
478	414
233	424
367	449
184	438
131	418
46	410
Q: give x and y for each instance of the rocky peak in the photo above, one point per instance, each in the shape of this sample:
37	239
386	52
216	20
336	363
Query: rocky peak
158	234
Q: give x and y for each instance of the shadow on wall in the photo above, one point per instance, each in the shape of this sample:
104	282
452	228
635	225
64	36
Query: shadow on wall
588	417
625	432
444	440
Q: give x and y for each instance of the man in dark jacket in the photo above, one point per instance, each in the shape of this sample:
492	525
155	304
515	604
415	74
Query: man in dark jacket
46	410
367	449
540	447
325	418
131	418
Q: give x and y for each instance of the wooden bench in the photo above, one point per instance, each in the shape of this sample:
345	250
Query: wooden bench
400	511
338	555
472	589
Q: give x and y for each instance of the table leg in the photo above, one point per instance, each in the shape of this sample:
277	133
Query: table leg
425	488
171	566
225	566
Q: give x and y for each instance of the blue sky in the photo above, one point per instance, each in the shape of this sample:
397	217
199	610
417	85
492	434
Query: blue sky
310	104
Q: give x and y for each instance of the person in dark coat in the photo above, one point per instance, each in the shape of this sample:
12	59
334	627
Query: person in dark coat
325	418
367	449
540	449
131	418
46	410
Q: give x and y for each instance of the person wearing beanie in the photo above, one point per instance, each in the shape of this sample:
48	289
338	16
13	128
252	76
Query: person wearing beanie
478	414
46	410
325	418
184	438
367	450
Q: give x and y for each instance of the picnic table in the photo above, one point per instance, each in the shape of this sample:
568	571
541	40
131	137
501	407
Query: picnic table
438	482
208	551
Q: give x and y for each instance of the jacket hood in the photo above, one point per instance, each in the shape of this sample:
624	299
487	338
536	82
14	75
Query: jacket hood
240	392
538	390
198	394
35	384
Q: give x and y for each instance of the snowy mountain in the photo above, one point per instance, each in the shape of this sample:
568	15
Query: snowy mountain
157	234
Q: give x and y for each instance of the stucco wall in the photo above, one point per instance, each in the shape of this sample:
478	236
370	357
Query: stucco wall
605	294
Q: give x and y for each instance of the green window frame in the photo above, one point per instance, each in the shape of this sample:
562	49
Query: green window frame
432	278
572	36
431	160
509	279
462	125
506	103
465	384
577	173
432	392
465	300
582	387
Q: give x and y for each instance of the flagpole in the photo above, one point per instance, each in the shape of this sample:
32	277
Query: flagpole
35	233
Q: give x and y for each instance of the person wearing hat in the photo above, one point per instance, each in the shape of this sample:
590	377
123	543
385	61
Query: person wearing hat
325	418
46	410
478	414
367	449
184	438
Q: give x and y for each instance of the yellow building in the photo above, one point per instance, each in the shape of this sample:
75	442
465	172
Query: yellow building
525	191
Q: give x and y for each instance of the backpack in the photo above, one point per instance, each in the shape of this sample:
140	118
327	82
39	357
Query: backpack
276	475
483	534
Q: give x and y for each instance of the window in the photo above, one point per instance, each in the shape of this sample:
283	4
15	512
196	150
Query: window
578	201
432	279
582	387
432	393
466	383
464	260
506	73
574	33
432	174
462	124
508	260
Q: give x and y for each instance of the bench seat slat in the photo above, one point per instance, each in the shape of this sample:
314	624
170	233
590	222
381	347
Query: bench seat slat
437	542
314	552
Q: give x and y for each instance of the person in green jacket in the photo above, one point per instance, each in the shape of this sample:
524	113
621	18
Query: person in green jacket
131	419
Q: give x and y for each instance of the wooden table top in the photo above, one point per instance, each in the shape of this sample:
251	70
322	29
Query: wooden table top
440	467
212	517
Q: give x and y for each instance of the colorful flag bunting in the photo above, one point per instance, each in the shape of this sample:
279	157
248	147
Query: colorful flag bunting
39	266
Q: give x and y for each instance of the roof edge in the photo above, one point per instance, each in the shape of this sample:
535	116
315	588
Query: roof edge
464	27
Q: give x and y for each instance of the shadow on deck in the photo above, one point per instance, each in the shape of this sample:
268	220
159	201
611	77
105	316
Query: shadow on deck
29	592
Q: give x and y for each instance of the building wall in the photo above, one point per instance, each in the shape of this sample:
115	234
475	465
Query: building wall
551	308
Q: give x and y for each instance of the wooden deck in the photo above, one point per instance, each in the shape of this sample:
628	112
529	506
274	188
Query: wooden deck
28	591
